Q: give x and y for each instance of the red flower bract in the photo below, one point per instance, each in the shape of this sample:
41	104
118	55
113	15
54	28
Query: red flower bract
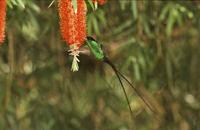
101	2
2	19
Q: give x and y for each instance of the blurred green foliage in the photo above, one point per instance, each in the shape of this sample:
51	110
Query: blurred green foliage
154	43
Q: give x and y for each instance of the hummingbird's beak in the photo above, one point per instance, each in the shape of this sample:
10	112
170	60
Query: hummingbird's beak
85	51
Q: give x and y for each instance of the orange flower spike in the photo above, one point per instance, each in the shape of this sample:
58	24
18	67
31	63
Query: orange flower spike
67	21
2	19
73	27
81	22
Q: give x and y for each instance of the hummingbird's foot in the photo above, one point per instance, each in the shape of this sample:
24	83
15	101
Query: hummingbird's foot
75	53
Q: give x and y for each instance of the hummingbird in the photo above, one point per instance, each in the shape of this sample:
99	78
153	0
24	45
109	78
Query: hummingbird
97	50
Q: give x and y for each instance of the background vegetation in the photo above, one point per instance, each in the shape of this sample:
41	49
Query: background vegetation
154	43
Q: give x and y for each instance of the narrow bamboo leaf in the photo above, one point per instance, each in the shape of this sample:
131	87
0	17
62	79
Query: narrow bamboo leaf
21	4
134	9
95	25
170	23
164	12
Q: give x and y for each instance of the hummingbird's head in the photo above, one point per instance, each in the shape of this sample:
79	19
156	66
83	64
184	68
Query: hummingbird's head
90	38
95	48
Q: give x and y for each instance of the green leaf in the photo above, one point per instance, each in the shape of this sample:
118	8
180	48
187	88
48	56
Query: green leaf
170	22
21	4
91	4
95	25
134	9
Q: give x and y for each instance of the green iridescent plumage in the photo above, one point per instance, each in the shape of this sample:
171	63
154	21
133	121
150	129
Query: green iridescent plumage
95	48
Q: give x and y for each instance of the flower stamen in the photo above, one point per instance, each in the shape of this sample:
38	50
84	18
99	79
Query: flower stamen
75	53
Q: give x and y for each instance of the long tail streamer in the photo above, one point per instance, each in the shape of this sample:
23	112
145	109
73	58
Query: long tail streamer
106	60
123	88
